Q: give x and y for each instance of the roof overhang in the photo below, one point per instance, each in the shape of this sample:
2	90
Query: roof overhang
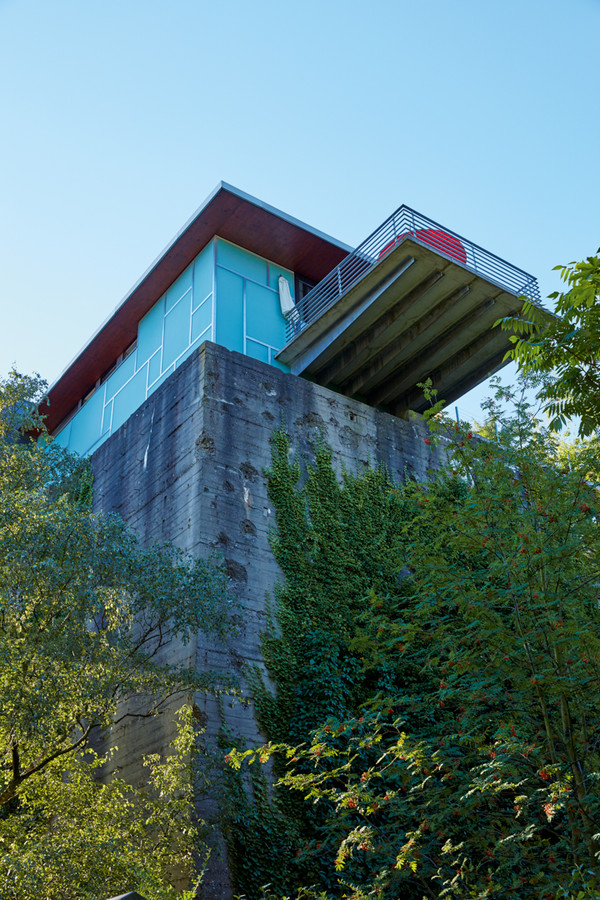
228	213
417	314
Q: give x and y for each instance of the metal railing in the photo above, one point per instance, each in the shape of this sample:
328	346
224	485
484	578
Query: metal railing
406	222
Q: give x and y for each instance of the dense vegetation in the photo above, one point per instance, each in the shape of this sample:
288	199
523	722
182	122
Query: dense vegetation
564	343
436	656
84	613
436	652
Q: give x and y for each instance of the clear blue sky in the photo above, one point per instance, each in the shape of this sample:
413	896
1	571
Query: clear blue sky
118	118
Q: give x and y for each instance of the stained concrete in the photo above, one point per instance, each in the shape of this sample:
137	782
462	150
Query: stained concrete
189	467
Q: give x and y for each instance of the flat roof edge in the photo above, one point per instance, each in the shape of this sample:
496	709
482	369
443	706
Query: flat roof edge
221	186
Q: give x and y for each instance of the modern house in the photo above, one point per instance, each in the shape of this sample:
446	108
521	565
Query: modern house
413	300
250	320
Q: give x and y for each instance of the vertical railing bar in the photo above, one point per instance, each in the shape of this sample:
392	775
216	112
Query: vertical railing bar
367	255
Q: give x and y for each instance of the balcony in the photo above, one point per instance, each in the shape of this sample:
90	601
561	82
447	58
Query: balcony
414	300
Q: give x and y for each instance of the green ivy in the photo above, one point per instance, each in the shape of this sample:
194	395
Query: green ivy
463	762
338	545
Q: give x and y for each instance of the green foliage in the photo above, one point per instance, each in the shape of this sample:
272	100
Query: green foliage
565	344
469	766
72	836
336	543
84	614
259	835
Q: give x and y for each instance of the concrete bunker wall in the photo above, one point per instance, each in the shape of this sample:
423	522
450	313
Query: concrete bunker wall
188	467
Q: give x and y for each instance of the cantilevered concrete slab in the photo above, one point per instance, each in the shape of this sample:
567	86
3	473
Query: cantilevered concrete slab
409	311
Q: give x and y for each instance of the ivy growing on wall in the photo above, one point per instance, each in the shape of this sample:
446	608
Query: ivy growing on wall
457	755
338	544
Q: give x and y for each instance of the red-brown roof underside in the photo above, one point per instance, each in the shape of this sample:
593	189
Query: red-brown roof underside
229	214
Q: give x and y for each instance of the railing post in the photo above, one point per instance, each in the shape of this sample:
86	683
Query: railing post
339	278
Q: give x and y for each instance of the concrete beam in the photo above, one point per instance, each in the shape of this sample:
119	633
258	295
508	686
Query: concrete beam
456	388
336	319
350	356
386	361
418	366
413	399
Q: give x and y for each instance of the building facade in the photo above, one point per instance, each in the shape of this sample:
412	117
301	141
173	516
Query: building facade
248	321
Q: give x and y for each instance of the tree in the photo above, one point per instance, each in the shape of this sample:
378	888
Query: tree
471	768
565	343
84	612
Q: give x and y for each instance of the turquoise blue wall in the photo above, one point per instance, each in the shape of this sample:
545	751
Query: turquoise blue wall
227	295
248	312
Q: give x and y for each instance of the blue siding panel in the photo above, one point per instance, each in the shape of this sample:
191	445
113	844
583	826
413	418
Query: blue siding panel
257	351
230	313
162	378
129	398
264	320
236	305
107	418
203	274
154	367
150	332
179	288
62	437
202	319
86	426
242	261
177	329
120	376
275	272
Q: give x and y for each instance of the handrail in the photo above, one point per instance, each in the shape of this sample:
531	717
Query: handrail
404	223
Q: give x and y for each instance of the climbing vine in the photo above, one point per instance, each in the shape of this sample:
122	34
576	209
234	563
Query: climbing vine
460	756
337	543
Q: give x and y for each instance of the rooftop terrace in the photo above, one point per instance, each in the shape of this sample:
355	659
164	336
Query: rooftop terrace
414	300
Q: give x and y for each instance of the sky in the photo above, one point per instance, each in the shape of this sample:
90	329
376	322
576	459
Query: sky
119	118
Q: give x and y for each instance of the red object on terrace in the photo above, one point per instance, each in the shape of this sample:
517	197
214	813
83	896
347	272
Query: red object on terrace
439	240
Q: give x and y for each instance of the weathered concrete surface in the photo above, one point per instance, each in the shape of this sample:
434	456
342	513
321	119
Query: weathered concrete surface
188	467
